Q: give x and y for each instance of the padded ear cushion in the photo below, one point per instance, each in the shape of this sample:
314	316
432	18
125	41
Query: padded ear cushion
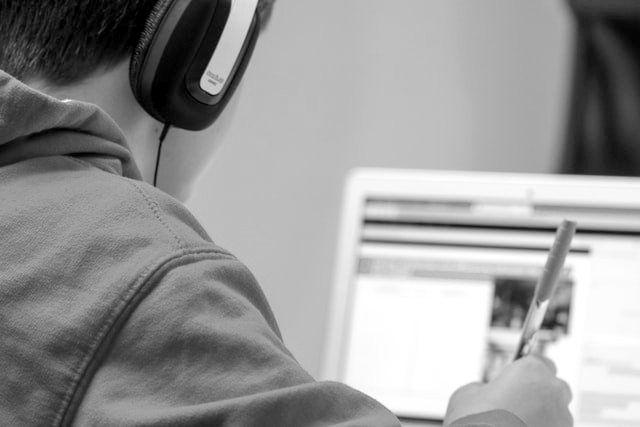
144	42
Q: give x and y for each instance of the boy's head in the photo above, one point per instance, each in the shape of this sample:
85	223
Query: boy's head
62	42
81	49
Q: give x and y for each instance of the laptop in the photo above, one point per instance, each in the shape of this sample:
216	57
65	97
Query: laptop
436	270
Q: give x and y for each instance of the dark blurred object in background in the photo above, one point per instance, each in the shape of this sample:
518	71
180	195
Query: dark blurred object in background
603	134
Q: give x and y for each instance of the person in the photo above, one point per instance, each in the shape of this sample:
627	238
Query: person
117	308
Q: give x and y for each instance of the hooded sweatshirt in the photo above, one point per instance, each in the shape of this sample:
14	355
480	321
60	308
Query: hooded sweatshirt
116	308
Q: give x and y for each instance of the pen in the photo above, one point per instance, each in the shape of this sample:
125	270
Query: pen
546	286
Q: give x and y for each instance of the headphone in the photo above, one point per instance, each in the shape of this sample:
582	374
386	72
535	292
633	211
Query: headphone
190	58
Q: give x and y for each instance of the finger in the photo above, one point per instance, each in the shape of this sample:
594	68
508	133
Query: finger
471	386
566	419
565	390
467	388
548	363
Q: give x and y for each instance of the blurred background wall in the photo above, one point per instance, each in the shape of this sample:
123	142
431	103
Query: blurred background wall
337	84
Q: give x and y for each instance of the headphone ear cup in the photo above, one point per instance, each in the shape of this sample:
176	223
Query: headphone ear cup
175	51
144	44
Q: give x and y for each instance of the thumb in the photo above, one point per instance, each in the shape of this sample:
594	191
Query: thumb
548	363
468	388
464	402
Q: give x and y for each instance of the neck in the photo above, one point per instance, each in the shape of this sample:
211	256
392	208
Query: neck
110	90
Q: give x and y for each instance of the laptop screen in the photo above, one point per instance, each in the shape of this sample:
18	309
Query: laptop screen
437	274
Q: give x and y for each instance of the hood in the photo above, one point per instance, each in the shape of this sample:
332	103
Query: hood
33	124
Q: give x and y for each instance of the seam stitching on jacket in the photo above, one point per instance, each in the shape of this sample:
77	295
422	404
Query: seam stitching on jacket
128	302
151	204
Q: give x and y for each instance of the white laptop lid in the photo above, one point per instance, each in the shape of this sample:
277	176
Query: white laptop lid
435	272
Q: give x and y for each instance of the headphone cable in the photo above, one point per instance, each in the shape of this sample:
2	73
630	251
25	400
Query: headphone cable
163	135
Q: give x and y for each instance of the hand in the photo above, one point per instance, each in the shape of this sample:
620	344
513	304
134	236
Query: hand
528	388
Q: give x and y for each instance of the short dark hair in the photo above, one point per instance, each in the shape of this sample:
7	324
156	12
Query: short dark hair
64	41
